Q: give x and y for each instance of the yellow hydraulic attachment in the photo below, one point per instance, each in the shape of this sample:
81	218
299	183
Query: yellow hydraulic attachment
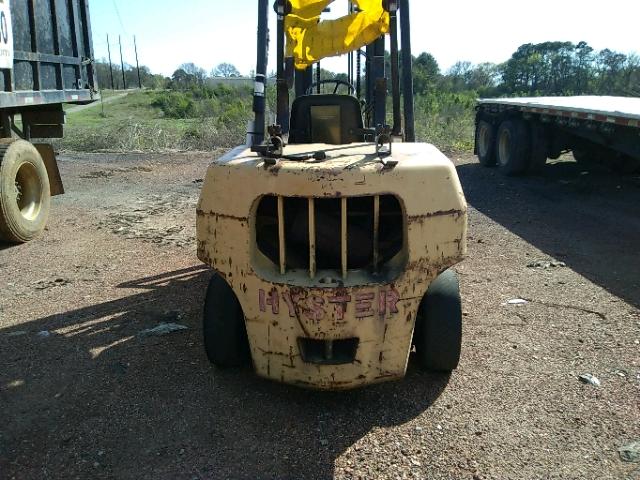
309	39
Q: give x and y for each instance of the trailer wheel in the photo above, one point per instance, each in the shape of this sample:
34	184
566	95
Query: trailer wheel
624	164
438	332
25	195
225	334
539	147
513	147
486	141
584	156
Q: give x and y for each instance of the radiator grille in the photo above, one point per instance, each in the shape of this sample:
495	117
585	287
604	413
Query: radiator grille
335	234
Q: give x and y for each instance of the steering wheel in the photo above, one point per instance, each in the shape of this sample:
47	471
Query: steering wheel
337	83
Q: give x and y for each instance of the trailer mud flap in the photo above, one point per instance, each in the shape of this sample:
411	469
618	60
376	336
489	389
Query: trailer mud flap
51	164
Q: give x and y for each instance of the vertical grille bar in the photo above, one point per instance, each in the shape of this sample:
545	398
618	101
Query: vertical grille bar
312	238
376	231
343	236
281	236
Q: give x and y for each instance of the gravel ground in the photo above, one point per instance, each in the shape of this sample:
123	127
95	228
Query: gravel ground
84	395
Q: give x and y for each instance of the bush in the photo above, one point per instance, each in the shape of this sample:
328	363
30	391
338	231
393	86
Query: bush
446	119
175	104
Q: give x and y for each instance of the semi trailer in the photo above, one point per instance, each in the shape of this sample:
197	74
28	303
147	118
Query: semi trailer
46	60
520	134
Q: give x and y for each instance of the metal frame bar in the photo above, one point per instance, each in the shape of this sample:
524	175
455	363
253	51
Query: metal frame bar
33	32
312	238
376	232
282	102
46	57
281	237
395	70
379	83
256	135
56	43
343	237
407	73
75	27
30	98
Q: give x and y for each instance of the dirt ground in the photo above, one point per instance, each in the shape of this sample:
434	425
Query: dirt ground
84	395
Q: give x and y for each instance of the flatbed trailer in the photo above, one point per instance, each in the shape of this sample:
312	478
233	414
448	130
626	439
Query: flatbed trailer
520	134
46	60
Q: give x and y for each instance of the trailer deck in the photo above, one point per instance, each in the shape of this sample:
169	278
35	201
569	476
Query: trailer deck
619	110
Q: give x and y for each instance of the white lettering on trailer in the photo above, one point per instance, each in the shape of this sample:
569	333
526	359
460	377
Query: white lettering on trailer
6	35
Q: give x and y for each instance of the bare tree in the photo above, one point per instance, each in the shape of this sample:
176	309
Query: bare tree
225	70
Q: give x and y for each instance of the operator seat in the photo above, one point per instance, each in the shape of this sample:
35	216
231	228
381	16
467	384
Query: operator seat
332	119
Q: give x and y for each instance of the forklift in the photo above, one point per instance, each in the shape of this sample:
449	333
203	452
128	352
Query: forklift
331	233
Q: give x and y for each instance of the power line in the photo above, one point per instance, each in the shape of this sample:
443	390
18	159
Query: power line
115	6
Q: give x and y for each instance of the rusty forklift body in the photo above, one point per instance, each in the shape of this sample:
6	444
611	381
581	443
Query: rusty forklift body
327	236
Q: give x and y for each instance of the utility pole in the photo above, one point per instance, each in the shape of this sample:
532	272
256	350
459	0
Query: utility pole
135	46
124	81
110	64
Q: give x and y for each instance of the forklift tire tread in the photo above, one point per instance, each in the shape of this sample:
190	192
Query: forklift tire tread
438	333
225	334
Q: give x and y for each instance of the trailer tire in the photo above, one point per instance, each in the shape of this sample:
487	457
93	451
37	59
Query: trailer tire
513	143
624	164
438	332
223	326
584	157
25	194
539	147
486	143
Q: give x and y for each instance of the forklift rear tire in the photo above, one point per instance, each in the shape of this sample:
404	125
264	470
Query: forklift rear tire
486	143
25	194
225	333
438	333
513	147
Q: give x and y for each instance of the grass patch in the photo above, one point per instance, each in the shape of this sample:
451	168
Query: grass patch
137	123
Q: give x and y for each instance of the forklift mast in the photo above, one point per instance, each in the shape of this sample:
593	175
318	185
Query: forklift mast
296	74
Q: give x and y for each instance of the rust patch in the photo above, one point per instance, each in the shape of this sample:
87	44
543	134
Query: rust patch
440	213
222	215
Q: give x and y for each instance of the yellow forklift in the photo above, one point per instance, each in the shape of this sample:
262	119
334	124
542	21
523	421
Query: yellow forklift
330	232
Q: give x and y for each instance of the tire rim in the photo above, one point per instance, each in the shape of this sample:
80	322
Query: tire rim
28	191
503	147
484	140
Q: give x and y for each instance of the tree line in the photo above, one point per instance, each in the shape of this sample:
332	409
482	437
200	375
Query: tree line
548	68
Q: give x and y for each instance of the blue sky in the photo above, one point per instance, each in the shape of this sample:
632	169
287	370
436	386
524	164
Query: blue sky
171	32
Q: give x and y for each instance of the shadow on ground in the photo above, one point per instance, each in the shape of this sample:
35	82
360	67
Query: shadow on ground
94	399
587	218
6	246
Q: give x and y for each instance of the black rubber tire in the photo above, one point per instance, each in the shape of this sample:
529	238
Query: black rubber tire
224	330
513	147
25	194
585	156
624	164
539	147
438	332
486	143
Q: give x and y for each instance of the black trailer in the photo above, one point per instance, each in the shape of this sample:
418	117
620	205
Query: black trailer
46	59
519	134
